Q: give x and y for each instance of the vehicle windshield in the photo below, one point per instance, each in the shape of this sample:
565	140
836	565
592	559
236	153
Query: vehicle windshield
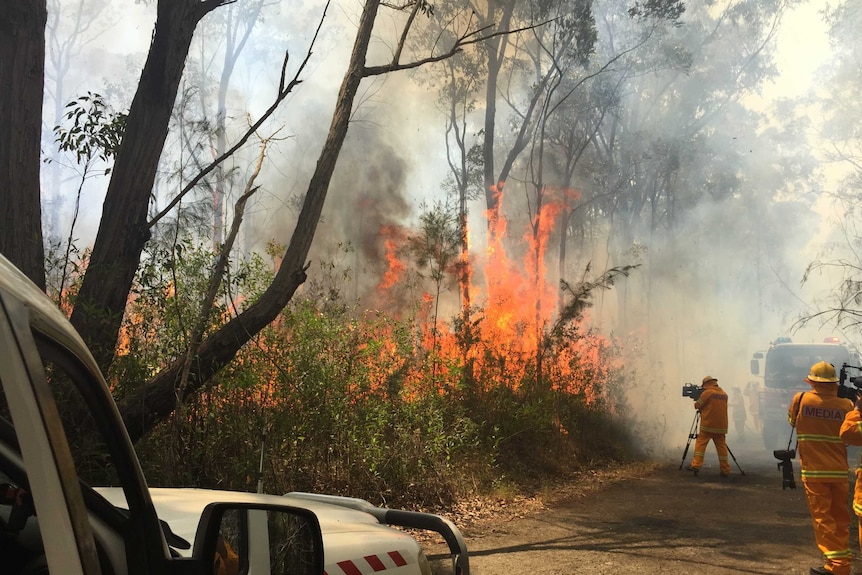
787	365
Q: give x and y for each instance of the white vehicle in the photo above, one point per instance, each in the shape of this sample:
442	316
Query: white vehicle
53	521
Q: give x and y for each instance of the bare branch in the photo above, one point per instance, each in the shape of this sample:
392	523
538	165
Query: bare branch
283	92
466	39
400	48
218	273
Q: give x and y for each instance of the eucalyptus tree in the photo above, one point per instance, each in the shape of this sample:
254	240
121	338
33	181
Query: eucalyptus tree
531	80
838	103
554	52
436	248
230	32
459	100
502	14
71	27
573	86
675	141
558	90
572	163
507	56
472	82
548	43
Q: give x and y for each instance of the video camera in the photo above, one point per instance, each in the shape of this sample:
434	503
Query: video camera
693	391
846	391
785	465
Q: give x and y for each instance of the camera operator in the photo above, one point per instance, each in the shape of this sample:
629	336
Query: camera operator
712	404
817	416
851	434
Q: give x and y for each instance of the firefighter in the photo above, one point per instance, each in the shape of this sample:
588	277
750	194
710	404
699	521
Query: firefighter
851	434
751	392
817	416
712	405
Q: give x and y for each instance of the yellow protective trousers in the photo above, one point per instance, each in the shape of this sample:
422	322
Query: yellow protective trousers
827	502
703	438
859	526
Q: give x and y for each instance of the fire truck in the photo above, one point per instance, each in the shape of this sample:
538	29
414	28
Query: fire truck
785	366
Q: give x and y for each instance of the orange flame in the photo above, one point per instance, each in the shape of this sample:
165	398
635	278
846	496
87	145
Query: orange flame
518	305
392	239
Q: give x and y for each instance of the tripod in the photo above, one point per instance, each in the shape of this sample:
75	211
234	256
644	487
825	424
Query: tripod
692	434
741	472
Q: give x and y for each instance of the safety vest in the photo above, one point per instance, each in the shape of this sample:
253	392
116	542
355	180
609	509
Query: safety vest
851	434
712	405
818	419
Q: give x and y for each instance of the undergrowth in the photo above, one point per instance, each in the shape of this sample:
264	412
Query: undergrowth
388	407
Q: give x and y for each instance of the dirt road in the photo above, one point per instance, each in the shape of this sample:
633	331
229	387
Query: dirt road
658	520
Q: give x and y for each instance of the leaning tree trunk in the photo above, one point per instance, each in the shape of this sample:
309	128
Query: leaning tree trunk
156	400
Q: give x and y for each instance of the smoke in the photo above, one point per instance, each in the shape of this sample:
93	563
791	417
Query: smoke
368	205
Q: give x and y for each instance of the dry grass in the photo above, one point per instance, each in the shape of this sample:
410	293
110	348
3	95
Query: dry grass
480	514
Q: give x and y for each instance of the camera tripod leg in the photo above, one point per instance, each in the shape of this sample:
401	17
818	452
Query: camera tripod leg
735	461
692	433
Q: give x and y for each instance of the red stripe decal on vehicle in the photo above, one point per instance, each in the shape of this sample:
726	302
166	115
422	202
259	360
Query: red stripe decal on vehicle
349	568
399	560
376	562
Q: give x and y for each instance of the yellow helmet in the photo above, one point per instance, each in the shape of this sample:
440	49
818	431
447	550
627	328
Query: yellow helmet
822	372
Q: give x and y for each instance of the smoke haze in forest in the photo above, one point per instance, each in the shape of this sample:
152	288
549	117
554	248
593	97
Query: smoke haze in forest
699	304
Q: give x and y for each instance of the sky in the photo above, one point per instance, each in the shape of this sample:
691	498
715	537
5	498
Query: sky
802	48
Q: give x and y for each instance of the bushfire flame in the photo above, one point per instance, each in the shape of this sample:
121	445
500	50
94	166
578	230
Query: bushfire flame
518	307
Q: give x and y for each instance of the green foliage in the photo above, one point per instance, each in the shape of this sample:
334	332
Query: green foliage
426	8
62	265
95	131
671	10
581	295
171	281
353	403
437	246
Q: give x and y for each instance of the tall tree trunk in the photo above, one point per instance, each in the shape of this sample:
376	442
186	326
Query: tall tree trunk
123	229
495	49
22	76
235	41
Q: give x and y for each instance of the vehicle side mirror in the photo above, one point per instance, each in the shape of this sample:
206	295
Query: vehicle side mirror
755	367
238	538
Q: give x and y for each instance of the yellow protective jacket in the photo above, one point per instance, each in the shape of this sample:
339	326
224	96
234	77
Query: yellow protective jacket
818	419
851	434
712	405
